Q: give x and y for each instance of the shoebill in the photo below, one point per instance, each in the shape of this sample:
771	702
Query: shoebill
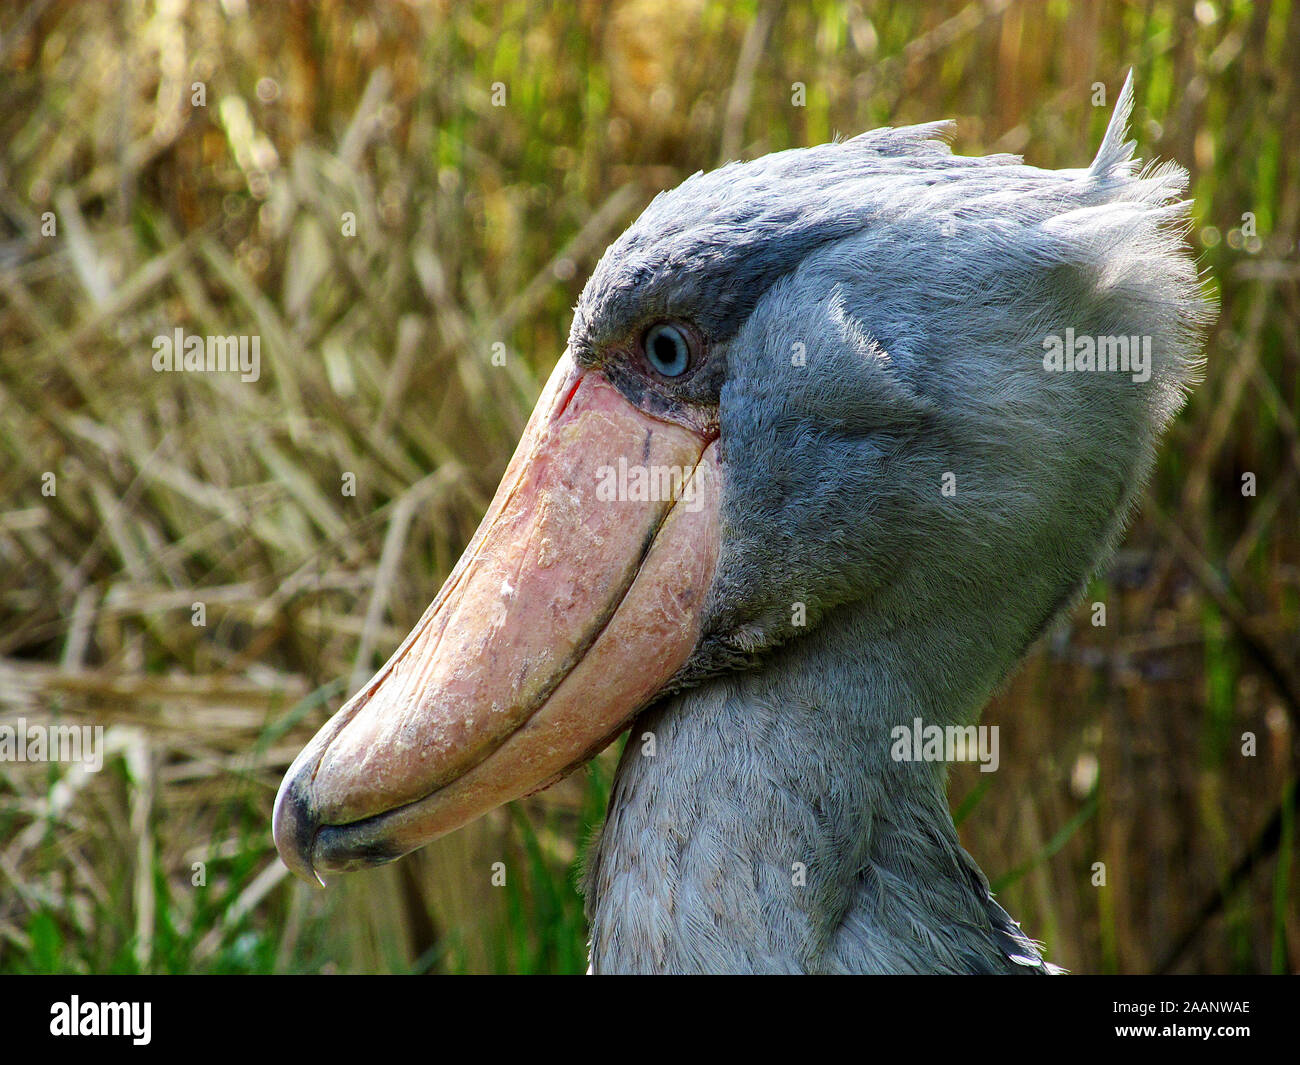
837	434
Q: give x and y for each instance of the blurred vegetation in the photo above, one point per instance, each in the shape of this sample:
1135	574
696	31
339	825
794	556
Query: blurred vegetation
475	226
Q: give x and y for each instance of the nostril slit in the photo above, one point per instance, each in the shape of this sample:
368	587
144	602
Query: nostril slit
568	399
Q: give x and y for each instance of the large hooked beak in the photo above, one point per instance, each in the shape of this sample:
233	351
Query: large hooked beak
579	597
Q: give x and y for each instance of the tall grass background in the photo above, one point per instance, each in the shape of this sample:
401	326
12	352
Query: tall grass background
475	226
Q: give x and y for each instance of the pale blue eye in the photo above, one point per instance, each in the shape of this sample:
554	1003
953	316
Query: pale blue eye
667	349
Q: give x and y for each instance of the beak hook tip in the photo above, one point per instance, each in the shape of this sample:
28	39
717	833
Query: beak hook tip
294	826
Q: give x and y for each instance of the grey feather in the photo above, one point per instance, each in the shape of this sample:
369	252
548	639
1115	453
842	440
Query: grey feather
920	287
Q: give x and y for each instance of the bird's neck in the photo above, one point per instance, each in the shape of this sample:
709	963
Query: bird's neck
760	823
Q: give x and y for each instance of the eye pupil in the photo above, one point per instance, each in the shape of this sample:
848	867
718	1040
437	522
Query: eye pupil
667	349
